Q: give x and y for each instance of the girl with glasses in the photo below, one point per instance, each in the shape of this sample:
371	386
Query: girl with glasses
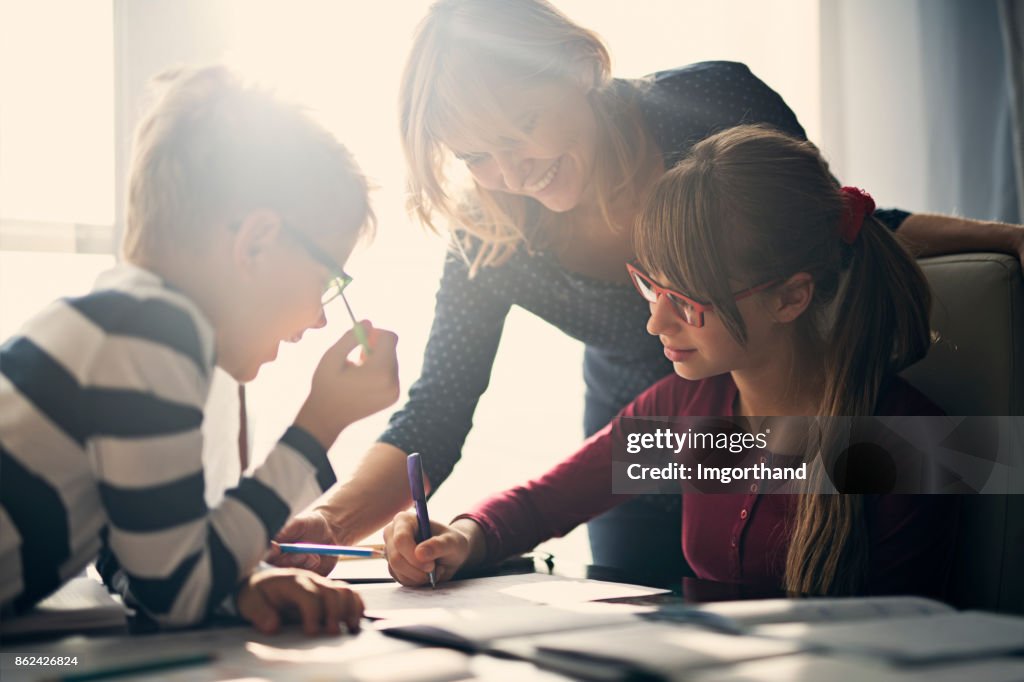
773	292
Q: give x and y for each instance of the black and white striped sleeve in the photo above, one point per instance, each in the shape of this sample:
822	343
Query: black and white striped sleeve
143	402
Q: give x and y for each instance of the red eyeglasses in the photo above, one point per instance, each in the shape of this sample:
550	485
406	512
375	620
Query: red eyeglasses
690	311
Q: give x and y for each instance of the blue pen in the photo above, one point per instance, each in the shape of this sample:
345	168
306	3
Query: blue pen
419	498
329	550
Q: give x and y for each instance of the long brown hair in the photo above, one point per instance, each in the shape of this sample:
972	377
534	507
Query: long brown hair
465	55
754	205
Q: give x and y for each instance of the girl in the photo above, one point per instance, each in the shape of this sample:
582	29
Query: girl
559	156
797	302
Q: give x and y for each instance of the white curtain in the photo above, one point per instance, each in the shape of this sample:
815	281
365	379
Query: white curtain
917	103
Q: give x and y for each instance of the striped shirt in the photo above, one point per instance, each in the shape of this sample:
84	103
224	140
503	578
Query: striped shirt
101	404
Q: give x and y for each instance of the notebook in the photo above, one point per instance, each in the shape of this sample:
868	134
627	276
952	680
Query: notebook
928	639
679	639
645	649
82	604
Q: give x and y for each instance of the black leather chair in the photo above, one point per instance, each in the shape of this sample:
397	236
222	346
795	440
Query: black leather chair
977	369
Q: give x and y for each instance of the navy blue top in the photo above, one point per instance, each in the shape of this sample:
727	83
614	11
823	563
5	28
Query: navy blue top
681	107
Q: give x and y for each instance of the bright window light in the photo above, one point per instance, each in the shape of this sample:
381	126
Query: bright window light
57	111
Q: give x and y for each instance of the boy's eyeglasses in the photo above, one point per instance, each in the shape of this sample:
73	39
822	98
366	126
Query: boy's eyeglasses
335	285
690	311
339	278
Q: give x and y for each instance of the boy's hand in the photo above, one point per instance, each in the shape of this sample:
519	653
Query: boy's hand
344	391
409	563
268	597
309	526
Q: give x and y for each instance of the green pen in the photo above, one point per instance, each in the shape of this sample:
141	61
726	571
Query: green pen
356	327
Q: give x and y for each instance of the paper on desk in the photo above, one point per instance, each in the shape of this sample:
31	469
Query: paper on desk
362	570
970	634
573	591
657	649
239	653
823	609
388	600
80	604
847	669
478	629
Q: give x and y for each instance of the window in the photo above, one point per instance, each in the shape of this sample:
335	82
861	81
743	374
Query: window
56	152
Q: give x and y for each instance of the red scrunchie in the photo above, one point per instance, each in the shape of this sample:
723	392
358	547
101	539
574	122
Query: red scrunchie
858	205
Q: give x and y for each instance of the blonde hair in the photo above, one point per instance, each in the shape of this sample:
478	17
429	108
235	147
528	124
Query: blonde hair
753	204
212	148
465	54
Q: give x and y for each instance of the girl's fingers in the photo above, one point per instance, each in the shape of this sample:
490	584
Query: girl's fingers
405	572
403	540
437	548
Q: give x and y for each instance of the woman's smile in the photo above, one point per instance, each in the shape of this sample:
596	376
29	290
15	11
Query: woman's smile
546	179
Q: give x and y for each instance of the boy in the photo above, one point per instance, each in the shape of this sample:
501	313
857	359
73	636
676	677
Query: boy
241	211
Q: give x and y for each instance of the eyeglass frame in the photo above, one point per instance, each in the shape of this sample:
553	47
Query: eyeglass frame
673	296
339	278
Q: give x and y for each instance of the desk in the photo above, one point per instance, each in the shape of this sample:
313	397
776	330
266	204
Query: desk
371	656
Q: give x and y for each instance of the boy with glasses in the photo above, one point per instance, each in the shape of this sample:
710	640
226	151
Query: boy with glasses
241	213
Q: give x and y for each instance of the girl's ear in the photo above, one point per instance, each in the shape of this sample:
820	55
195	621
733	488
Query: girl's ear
255	239
792	297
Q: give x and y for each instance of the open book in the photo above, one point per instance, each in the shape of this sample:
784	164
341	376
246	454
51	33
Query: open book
81	604
681	638
616	641
911	640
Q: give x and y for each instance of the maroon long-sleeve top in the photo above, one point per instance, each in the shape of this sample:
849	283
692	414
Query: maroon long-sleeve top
738	538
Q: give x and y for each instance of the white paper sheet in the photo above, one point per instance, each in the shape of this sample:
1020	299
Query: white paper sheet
362	569
913	640
806	667
384	600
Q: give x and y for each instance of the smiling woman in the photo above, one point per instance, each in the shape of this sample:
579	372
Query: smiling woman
549	158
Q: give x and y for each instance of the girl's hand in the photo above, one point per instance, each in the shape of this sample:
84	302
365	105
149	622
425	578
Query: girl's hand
445	553
268	598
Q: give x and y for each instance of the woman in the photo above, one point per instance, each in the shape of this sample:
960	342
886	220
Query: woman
560	156
799	303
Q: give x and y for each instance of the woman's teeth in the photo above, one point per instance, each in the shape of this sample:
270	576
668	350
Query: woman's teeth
541	184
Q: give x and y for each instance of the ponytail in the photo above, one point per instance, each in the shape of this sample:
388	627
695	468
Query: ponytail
882	327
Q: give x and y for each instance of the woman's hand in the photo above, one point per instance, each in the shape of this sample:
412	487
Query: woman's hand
313	527
268	598
450	548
